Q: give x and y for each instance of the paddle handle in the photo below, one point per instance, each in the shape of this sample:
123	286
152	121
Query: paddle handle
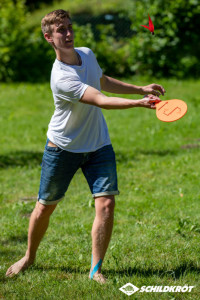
155	101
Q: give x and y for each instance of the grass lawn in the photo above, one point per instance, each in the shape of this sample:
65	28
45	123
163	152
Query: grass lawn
157	220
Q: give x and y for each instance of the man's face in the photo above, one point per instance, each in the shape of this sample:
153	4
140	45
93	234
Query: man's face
63	35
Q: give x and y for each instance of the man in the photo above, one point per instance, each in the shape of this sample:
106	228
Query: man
78	138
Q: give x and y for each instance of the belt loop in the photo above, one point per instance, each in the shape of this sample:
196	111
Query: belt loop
47	141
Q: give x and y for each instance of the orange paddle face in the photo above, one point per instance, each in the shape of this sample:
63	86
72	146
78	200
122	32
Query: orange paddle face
170	110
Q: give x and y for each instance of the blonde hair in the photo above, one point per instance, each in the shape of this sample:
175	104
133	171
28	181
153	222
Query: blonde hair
53	17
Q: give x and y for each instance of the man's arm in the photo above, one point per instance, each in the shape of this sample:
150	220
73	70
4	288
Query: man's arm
109	84
94	97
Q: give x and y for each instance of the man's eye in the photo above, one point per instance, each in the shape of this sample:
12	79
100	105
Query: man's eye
61	29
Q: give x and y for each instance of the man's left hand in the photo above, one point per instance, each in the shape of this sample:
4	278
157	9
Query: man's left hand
154	89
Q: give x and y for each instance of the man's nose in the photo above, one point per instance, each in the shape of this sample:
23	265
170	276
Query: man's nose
69	32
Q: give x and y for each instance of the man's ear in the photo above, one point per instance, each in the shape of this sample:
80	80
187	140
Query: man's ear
48	37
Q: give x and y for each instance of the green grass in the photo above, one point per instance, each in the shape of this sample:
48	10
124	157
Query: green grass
157	219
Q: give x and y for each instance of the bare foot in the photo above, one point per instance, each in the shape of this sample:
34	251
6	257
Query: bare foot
19	266
98	277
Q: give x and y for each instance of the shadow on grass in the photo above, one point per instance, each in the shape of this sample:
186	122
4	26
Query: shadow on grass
20	158
176	273
67	269
160	153
123	157
8	253
30	158
14	239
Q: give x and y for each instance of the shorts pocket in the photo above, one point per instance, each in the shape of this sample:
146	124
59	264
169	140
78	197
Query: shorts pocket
53	149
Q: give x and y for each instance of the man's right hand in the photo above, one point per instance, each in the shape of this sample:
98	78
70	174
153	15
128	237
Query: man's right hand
149	101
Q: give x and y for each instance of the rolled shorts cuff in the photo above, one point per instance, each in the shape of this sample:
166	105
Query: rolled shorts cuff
45	202
108	193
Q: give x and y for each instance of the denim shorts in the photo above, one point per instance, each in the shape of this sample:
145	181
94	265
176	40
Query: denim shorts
59	167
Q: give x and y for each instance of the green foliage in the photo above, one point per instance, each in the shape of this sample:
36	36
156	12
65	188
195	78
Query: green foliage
36	58
23	53
12	35
112	54
84	36
35	4
172	51
104	48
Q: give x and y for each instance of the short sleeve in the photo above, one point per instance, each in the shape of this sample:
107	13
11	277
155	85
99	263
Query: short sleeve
70	89
99	70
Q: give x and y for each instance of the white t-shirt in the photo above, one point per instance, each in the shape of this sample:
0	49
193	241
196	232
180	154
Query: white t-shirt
75	126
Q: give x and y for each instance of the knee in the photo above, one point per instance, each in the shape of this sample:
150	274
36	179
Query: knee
106	205
110	204
42	211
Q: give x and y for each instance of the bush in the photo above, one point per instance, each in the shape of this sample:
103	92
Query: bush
24	54
172	51
35	4
104	48
13	37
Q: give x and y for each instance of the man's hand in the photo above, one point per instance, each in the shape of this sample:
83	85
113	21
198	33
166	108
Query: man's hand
154	89
149	101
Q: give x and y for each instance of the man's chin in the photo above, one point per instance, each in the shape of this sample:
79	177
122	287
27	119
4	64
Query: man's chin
69	44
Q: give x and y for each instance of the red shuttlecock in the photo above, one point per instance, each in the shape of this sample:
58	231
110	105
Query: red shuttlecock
150	27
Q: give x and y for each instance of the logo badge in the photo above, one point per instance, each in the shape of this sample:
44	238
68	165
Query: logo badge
129	289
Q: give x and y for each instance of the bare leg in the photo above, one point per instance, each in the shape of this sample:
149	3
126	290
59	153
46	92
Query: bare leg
38	225
102	230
